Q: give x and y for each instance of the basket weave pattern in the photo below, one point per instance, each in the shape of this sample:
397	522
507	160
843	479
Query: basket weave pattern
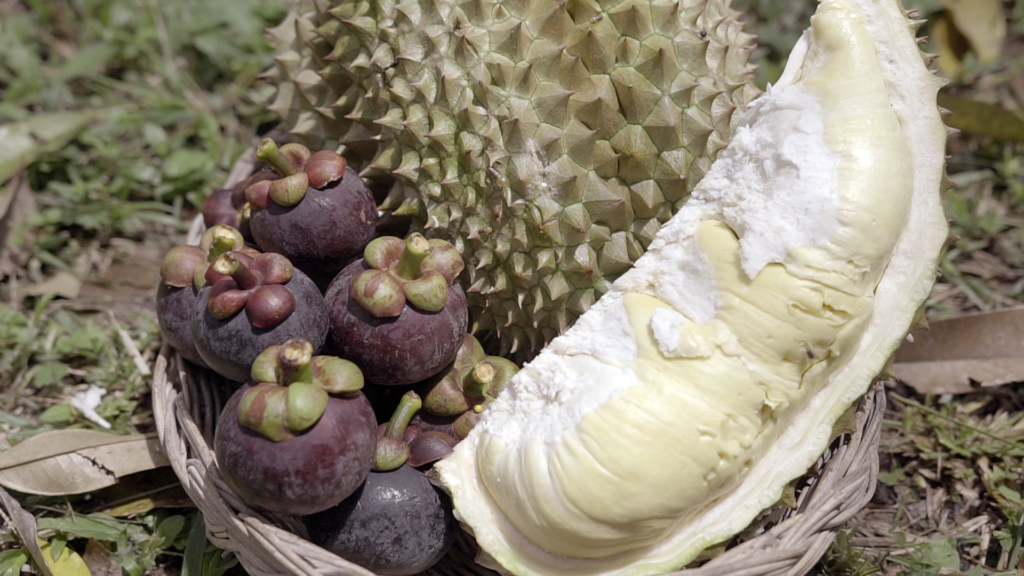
186	404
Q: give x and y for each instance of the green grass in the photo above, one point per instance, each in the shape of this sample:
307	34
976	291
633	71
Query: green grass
175	95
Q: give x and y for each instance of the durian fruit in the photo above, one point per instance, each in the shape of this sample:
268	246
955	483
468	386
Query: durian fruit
548	141
710	375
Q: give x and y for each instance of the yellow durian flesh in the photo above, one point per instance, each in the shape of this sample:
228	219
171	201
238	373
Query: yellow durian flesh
710	375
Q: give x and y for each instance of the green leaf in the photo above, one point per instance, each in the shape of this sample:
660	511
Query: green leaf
50	372
25	141
57	544
97	526
184	163
88	61
57	414
1010	494
11	561
170	528
195	549
13	420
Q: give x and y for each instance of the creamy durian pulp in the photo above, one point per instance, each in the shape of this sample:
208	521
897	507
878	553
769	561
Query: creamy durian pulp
678	407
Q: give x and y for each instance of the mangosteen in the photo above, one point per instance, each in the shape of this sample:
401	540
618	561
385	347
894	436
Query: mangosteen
460	392
300	437
218	209
397	522
252	303
396	312
181	272
316	211
229	206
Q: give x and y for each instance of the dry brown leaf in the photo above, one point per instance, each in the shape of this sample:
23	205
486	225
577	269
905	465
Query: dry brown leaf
16	204
77	461
950	46
983	23
62	283
99	560
986	348
24	525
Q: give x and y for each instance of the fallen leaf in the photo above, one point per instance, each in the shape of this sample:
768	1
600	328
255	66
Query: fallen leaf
98	558
24	525
62	283
77	461
17	203
983	24
983	119
949	45
956	355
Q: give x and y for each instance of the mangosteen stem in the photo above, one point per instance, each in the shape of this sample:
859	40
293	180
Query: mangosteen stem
416	249
295	361
407	408
229	264
268	152
223	241
480	379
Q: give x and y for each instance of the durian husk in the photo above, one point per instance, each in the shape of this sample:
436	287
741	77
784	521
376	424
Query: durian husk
547	141
900	294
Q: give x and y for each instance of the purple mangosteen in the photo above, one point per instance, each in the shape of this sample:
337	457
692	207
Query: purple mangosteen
300	437
250	304
315	210
182	274
396	312
397	523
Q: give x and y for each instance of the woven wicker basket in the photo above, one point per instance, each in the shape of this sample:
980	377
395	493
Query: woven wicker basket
186	404
788	541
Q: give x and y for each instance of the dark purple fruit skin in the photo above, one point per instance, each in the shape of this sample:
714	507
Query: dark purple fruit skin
405	349
324	231
230	346
396	524
218	209
305	474
174	312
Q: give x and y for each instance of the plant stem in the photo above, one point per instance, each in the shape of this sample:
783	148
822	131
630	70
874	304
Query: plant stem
407	408
269	153
416	249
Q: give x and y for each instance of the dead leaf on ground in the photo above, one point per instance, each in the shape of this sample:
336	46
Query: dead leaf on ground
24	525
62	283
983	24
986	348
949	45
983	119
77	461
99	560
16	204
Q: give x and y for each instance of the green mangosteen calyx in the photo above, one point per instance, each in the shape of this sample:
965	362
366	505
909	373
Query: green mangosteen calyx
293	387
392	450
186	265
473	379
297	169
216	241
414	270
255	283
